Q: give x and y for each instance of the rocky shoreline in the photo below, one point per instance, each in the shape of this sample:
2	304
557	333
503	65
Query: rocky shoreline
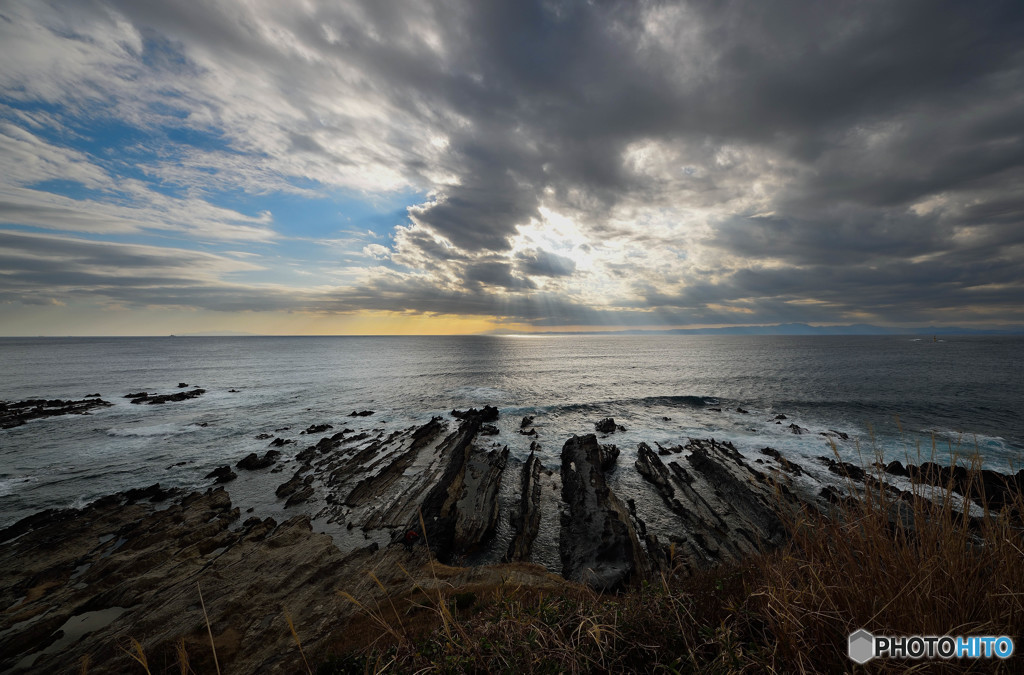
132	565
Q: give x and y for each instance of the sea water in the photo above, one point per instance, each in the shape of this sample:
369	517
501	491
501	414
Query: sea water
895	397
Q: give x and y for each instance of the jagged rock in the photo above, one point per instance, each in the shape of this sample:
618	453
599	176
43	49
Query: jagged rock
671	450
461	509
488	430
290	486
477	509
526	519
440	506
527	421
795	429
140	394
92	395
252	461
598	544
747	496
16	413
742	411
989	489
263	436
232	391
844	469
896	468
141	582
316	429
280	442
531	432
395	466
223	474
651	468
487	414
301	495
608	426
153	493
182	385
780	416
783	462
158	399
360	413
666	419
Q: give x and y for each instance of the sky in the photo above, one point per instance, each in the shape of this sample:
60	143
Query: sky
444	166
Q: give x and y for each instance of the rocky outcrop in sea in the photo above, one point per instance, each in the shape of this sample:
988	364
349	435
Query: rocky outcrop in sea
132	565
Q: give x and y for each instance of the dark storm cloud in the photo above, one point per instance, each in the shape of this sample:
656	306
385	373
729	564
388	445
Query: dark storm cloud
497	274
545	264
883	141
879	106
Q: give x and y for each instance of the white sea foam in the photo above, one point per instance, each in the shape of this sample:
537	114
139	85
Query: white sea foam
12	485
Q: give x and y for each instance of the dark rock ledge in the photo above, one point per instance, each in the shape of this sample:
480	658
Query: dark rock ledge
16	413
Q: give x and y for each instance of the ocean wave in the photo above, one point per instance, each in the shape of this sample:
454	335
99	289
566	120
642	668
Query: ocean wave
695	401
10	485
690	401
480	394
166	429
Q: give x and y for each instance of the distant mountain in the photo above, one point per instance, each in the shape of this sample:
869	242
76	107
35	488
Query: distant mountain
800	329
215	333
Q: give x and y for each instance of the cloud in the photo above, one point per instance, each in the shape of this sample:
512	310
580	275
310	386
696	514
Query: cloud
545	264
583	163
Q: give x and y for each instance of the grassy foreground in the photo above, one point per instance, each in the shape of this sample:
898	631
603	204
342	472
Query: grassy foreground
892	564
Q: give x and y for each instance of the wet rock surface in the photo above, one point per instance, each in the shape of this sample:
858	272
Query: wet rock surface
222	474
608	426
157	399
16	413
140	572
253	462
598	544
525	519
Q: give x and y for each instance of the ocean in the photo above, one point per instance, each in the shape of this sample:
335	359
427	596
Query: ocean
896	397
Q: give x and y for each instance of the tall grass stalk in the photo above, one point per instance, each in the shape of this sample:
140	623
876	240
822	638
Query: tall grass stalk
209	630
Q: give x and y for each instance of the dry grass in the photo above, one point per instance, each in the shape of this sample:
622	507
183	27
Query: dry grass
890	563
